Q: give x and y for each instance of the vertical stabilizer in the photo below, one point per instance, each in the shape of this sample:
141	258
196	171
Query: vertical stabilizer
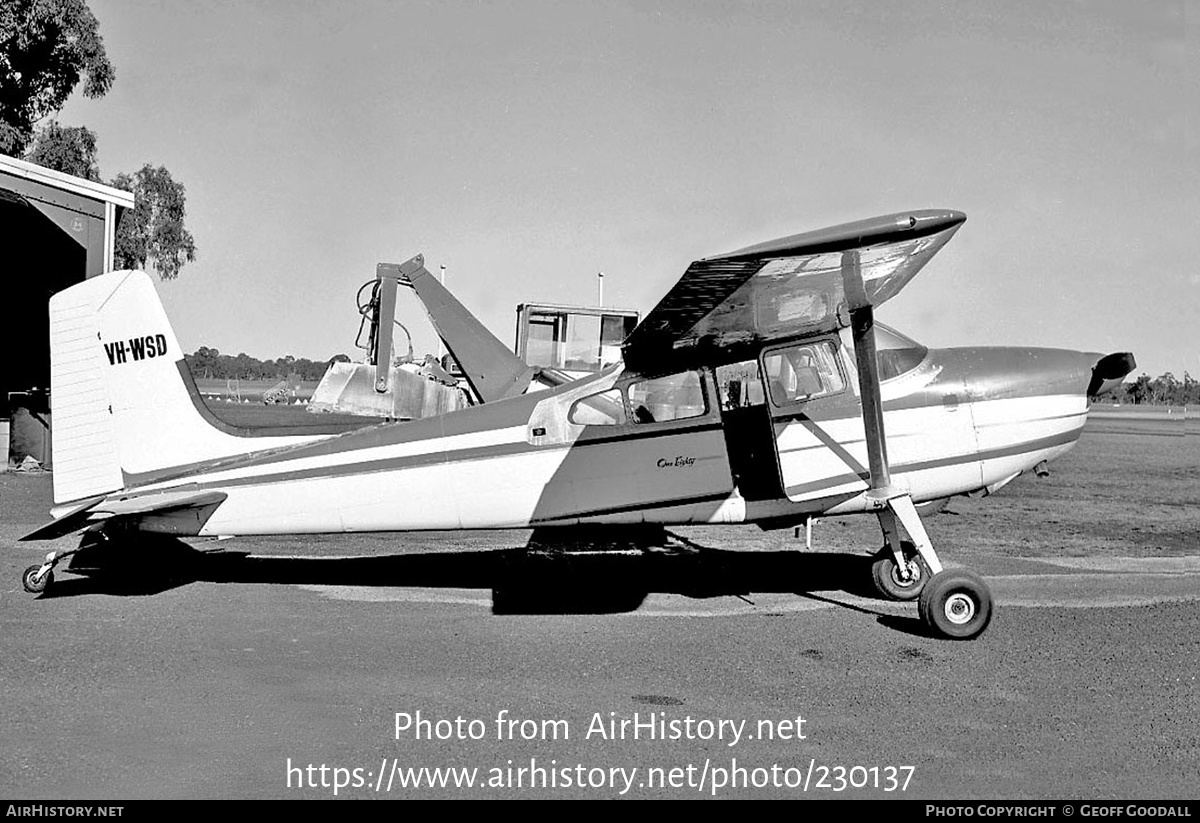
122	406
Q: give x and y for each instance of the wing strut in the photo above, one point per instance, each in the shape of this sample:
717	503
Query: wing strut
862	325
894	507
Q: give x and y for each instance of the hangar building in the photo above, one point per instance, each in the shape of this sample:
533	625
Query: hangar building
58	230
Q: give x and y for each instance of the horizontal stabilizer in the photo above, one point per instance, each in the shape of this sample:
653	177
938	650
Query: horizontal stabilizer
101	508
72	520
157	503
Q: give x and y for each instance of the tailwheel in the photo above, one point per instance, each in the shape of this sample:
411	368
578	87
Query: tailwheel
34	582
886	573
956	605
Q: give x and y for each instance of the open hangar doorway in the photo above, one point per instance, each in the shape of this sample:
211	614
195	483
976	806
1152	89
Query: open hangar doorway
58	230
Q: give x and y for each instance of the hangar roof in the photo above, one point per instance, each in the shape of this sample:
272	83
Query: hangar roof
65	182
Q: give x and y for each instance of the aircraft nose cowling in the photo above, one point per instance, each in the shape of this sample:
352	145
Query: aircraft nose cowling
998	373
1108	370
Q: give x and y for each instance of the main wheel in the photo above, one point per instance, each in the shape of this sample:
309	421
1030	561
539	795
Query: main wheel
34	584
956	605
886	573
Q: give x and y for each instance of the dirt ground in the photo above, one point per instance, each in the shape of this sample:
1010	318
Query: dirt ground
209	675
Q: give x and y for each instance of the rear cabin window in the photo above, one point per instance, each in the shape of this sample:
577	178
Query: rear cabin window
603	409
659	400
800	373
674	397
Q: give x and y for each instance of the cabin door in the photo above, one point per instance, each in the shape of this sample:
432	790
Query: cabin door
749	433
816	420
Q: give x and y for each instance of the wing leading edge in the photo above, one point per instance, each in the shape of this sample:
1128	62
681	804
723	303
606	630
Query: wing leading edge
787	287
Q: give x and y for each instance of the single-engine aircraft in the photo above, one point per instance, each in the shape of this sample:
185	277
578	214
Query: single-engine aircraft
759	390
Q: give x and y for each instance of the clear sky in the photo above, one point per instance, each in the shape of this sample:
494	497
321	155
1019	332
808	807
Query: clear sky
528	145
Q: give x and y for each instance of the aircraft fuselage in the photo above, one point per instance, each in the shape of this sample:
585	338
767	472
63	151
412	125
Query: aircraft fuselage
958	421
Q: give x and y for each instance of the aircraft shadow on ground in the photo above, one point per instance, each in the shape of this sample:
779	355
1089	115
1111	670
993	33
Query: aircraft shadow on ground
524	580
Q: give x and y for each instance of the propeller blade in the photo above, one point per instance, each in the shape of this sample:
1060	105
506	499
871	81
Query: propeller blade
1109	371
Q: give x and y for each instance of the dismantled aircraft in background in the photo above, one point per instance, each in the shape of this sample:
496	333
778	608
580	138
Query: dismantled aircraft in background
759	390
554	345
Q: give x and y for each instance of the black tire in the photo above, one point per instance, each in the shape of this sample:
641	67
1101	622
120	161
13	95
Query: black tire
956	605
885	573
32	584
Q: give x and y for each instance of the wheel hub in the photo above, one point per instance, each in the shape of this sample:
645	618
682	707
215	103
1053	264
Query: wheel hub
914	574
959	609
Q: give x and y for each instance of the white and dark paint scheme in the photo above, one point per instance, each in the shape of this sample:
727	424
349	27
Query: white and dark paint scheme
759	390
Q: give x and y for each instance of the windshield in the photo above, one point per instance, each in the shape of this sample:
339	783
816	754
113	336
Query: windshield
896	353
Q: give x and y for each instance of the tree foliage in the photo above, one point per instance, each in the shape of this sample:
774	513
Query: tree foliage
1164	390
46	48
209	363
154	230
69	149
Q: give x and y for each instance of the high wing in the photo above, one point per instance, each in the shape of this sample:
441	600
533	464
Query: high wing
805	283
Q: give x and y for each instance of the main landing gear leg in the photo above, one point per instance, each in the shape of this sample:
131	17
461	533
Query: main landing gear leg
901	569
902	509
953	604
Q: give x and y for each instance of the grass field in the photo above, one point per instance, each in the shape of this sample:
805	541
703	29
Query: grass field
1154	420
250	390
1114	494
